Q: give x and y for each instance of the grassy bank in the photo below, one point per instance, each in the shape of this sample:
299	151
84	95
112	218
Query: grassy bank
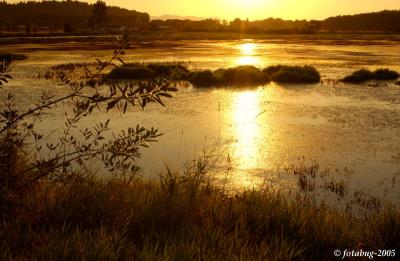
179	218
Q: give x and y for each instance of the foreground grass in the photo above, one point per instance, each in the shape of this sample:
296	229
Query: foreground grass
179	218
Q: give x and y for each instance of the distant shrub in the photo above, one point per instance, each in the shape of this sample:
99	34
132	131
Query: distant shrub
203	78
363	75
292	74
246	75
176	71
71	66
9	57
385	74
359	76
132	71
241	75
273	69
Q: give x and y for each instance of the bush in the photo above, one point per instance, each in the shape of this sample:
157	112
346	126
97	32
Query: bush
246	75
203	78
385	74
241	75
9	57
363	75
174	71
132	71
292	74
171	70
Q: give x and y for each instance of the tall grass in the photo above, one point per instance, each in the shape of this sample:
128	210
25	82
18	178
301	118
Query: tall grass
181	217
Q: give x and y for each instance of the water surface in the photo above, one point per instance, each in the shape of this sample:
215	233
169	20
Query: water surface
258	131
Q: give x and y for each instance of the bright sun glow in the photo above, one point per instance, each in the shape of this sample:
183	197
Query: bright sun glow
247	48
247	54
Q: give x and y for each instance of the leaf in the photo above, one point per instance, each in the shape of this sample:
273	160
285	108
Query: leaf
159	101
125	106
165	95
111	104
144	102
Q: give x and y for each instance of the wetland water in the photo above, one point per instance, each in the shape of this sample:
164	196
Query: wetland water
258	132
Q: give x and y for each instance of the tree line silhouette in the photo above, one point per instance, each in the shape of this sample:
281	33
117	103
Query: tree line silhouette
73	14
80	16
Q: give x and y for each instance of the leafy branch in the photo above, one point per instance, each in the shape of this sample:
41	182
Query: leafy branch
73	148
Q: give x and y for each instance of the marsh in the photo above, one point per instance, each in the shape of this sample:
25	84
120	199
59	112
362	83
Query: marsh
257	131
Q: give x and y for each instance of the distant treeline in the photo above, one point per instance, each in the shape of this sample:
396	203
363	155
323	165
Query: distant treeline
237	25
387	21
78	16
55	15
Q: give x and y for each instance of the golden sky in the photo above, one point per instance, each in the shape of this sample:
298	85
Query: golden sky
255	9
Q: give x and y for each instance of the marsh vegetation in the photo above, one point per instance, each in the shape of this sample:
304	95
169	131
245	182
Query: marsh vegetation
57	208
364	75
244	75
181	216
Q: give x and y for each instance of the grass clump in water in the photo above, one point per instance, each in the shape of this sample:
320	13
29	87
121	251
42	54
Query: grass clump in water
293	74
9	57
245	75
241	76
204	78
174	71
131	71
364	75
386	74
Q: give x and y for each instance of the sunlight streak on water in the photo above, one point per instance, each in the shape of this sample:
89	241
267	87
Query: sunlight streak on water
248	55
248	132
247	48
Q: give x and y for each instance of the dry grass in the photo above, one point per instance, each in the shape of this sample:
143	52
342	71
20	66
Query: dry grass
181	217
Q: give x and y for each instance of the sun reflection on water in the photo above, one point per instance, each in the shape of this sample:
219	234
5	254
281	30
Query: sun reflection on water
247	129
248	54
247	48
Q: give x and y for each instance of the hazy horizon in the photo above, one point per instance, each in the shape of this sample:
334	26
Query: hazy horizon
253	9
